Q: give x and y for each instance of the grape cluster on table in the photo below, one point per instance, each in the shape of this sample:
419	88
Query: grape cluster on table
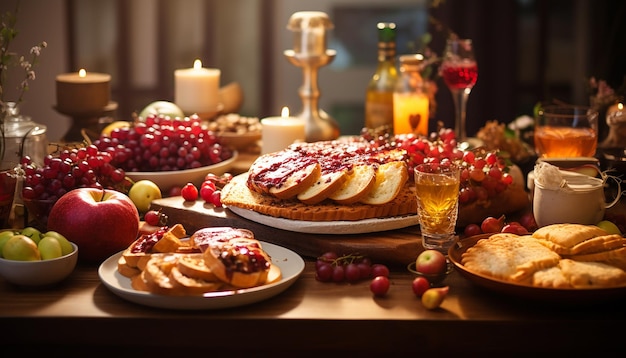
332	267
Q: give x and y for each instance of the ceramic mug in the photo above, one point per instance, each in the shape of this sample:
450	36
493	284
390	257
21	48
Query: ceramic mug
582	202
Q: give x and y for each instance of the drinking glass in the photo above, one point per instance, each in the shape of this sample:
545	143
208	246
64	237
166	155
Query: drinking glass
437	189
460	72
564	131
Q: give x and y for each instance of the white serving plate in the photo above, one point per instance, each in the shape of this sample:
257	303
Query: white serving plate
289	262
329	227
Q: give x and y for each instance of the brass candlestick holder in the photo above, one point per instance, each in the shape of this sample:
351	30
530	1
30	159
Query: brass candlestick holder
310	54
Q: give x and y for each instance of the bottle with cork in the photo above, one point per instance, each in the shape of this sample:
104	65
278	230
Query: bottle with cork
379	94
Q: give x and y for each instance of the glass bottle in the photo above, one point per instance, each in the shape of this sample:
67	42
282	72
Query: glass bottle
410	99
379	94
22	137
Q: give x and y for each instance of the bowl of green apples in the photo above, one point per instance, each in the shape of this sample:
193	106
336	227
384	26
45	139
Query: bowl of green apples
31	258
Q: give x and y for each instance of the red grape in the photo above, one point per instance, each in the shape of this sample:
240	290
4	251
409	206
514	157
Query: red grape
206	192
380	285
155	218
151	217
339	273
216	198
472	230
379	270
189	192
491	224
419	285
324	272
352	272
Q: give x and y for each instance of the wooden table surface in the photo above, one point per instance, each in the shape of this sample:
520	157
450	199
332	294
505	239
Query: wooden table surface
82	316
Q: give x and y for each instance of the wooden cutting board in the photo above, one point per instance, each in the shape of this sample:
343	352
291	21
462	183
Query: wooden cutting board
395	248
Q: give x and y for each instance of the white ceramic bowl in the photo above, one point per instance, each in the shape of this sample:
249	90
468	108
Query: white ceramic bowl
168	179
39	273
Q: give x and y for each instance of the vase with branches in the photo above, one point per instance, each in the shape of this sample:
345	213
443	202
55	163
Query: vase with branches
24	65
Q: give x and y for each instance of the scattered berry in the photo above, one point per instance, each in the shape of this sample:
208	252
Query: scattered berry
379	286
189	192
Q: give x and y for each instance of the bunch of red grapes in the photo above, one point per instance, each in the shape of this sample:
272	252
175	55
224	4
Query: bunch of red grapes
85	167
162	143
484	174
331	267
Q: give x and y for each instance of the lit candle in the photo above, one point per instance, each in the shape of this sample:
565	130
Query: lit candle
279	132
309	29
616	114
410	113
196	90
83	92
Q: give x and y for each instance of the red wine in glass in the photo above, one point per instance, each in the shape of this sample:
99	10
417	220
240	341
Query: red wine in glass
459	72
460	76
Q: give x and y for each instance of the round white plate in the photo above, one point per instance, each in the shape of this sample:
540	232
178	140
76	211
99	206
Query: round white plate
290	263
329	227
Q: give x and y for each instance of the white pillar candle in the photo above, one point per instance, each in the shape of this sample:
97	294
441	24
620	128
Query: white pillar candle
278	133
196	90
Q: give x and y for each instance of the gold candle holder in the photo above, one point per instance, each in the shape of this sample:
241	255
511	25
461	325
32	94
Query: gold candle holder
310	53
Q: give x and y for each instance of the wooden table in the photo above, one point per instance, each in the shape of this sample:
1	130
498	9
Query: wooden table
82	316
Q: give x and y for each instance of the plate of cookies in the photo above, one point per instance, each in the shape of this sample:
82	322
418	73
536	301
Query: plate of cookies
561	263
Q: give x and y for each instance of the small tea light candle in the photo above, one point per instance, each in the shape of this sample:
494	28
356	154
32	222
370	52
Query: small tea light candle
83	92
196	90
279	132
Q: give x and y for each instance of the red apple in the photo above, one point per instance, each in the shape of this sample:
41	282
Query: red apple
100	221
431	262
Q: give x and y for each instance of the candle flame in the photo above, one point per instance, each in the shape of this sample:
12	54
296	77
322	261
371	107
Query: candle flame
82	73
620	106
197	64
285	112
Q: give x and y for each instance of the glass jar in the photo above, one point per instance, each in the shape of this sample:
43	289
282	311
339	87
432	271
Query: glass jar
23	137
410	98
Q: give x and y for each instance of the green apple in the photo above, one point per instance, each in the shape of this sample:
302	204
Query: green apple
66	247
142	193
33	233
50	248
609	227
162	107
21	248
4	237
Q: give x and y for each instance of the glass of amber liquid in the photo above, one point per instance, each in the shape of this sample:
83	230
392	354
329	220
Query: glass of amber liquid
437	189
563	131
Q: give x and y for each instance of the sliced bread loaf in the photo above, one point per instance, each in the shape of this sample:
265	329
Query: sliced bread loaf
390	178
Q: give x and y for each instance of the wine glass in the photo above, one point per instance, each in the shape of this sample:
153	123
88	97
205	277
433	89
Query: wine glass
459	72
